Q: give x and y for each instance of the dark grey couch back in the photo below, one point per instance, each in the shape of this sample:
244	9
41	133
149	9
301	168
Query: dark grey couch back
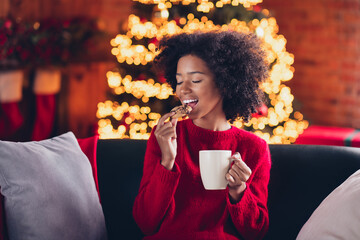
301	177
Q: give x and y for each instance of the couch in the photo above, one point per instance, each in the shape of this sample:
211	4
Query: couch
301	177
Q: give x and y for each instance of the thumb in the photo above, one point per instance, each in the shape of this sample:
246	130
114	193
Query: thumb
174	122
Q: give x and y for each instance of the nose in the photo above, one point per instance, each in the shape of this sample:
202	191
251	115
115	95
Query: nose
185	87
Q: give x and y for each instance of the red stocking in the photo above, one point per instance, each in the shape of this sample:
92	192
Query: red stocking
46	85
10	95
45	116
10	120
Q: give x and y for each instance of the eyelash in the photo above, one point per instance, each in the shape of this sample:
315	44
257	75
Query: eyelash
196	81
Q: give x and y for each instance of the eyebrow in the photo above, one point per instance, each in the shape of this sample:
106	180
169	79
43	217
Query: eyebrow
178	74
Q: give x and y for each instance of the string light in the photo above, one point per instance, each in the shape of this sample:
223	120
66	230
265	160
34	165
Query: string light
140	122
203	5
135	118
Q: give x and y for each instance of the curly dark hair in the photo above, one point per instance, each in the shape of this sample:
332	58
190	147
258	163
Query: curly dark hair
236	59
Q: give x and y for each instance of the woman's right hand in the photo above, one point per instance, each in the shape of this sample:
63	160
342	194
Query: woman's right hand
165	134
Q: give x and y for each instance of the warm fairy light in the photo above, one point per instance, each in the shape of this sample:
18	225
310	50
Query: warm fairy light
138	88
286	130
135	118
114	79
139	54
203	5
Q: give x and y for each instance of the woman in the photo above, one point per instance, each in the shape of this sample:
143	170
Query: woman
218	75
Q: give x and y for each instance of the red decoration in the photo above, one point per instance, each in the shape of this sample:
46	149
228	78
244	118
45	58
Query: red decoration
154	41
46	86
48	42
14	44
10	95
122	121
262	111
177	20
11	119
45	116
161	78
325	135
257	8
140	77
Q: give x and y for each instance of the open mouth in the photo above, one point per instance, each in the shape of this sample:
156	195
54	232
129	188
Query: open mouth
191	102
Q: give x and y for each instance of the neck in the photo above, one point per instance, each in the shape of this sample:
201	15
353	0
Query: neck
213	124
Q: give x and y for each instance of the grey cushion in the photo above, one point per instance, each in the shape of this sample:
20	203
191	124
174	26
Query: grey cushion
338	216
49	191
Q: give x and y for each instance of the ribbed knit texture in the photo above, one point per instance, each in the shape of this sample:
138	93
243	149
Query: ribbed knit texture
175	205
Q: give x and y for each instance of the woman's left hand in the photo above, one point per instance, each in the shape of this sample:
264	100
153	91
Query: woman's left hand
237	176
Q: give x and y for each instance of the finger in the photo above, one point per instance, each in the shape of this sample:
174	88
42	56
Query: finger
230	178
160	127
236	156
238	174
235	172
173	122
164	118
167	125
167	132
244	174
242	165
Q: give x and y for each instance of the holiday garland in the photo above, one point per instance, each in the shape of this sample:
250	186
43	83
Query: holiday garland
45	42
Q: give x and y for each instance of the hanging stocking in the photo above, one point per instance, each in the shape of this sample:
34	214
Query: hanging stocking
46	85
10	95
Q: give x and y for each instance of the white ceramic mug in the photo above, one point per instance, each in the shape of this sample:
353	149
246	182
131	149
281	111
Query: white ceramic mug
214	164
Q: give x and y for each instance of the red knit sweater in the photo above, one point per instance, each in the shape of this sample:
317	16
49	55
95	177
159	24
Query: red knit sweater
175	205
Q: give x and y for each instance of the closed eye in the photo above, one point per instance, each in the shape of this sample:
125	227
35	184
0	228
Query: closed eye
179	83
196	81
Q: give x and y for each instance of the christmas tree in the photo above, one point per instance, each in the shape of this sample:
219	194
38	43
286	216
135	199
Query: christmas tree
139	96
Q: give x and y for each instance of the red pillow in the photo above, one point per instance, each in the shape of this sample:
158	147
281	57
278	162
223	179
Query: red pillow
89	147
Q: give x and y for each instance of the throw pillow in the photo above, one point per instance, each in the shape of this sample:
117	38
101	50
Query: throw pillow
338	216
49	191
89	147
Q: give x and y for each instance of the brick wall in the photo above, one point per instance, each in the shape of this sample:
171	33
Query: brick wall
111	12
324	36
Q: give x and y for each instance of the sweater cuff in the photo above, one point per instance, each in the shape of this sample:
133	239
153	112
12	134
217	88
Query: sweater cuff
244	202
167	177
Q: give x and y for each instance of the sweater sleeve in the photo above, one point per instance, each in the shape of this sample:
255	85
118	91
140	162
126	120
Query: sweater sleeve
157	189
250	215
